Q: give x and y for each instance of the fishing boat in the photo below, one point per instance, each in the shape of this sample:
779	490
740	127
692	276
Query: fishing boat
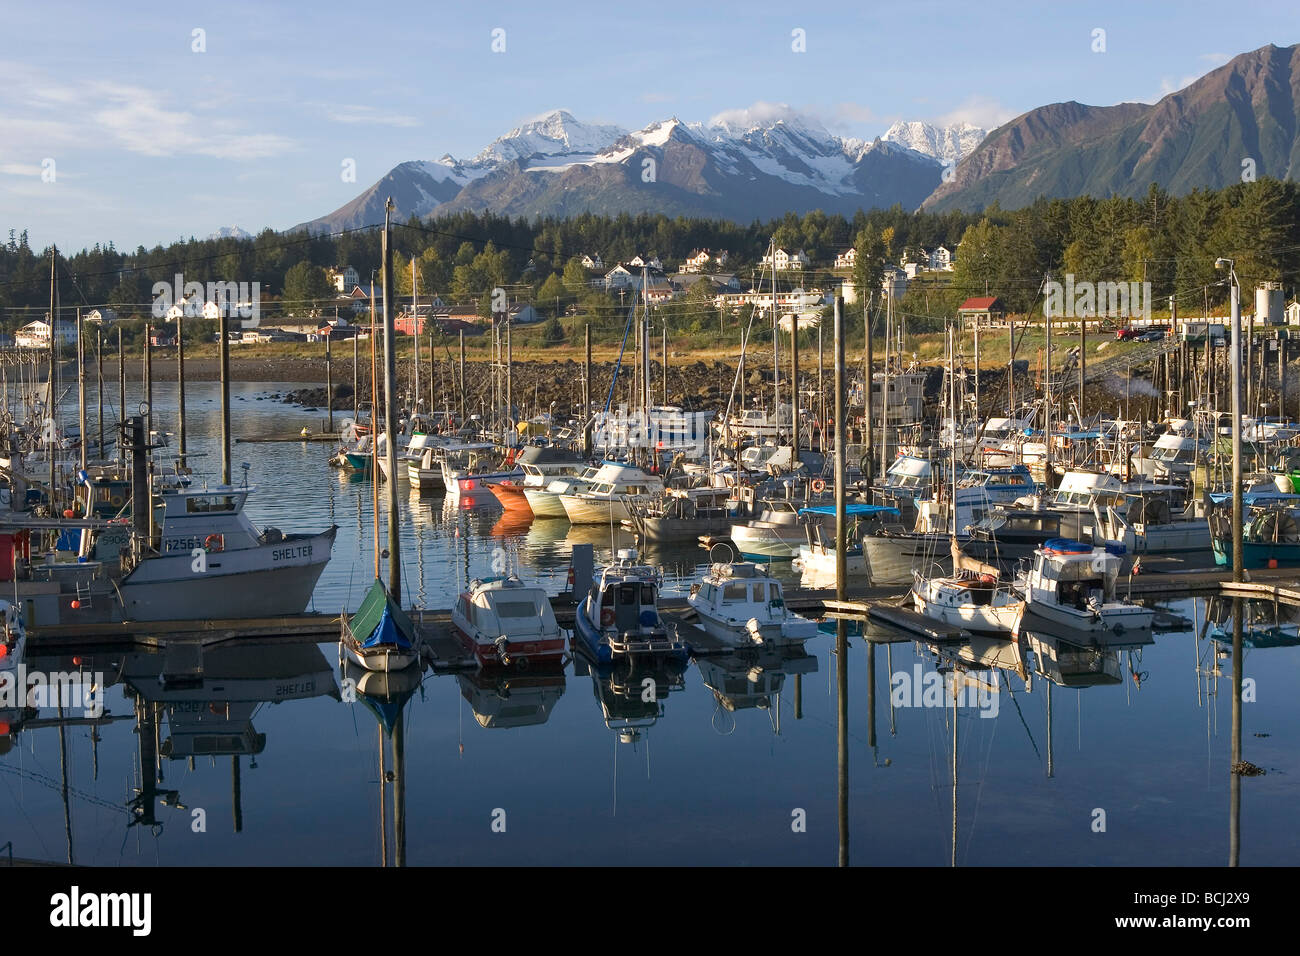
243	573
379	636
1071	583
620	618
817	555
617	485
506	623
739	604
681	514
545	500
1145	523
775	535
540	465
969	599
467	474
1006	535
1270	533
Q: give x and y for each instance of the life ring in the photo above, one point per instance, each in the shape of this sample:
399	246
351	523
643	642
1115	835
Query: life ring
818	486
116	501
214	542
606	617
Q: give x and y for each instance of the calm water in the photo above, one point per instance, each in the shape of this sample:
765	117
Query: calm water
715	776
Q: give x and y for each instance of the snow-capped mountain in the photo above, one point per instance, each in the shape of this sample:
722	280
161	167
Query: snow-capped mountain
948	144
231	232
741	165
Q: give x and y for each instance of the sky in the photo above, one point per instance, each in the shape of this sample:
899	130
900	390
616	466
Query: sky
145	122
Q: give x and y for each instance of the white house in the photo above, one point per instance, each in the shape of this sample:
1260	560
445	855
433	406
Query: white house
941	260
592	262
894	282
101	315
787	261
699	260
1292	313
524	315
343	279
846	259
619	277
652	262
36	335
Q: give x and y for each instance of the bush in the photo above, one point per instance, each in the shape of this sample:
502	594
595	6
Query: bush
553	333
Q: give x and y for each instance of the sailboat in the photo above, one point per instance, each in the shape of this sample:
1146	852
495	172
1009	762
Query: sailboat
380	636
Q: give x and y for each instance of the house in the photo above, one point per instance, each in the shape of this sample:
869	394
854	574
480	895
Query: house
619	277
343	279
161	337
699	260
524	315
100	316
337	330
651	262
786	261
410	324
459	323
940	260
36	335
982	310
911	269
1292	313
846	259
592	262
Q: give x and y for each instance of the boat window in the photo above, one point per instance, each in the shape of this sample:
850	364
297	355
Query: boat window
734	592
648	594
516	609
210	504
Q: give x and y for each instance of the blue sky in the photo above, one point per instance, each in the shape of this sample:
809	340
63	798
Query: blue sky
151	141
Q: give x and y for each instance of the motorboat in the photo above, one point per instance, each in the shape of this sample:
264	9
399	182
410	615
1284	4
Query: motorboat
1073	584
540	464
616	487
619	618
544	500
739	604
506	623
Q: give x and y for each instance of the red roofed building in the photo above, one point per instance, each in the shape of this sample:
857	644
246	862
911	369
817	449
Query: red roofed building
983	310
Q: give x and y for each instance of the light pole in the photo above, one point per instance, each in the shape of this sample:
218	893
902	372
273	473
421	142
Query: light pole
1234	362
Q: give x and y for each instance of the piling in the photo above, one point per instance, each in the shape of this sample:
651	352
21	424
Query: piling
329	384
180	387
390	415
148	383
1235	363
867	400
586	395
461	379
223	350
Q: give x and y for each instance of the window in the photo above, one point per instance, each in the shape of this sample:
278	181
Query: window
735	592
648	594
212	503
516	609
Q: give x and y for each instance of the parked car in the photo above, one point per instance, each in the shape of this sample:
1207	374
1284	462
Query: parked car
1126	333
1154	335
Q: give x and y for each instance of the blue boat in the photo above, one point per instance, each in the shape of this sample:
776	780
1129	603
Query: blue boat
619	619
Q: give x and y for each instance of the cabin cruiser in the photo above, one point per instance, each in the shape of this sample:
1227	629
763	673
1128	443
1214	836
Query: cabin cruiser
619	619
425	471
615	487
468	474
739	604
1172	455
544	500
757	423
1072	584
1145	523
974	597
540	464
207	561
1075	497
504	622
775	535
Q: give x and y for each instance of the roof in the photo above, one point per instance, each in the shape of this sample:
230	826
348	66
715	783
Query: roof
981	303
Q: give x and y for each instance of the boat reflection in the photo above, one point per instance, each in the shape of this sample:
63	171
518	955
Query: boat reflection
632	698
1264	624
386	695
753	681
512	699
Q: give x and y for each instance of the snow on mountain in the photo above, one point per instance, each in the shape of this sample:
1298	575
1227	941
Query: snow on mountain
230	232
553	134
949	144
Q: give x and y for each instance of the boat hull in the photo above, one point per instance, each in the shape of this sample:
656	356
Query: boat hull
584	510
523	654
511	495
266	581
544	504
1257	554
891	558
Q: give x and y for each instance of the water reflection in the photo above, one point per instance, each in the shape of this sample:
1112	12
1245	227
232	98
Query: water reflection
506	700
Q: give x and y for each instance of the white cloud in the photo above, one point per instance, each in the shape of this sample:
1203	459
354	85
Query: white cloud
978	110
1216	59
759	114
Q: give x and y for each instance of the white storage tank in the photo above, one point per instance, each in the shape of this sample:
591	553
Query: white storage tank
1269	304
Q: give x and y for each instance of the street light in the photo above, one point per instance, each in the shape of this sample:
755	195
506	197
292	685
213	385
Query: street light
1234	361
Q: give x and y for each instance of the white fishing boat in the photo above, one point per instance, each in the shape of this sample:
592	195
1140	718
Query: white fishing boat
541	465
467	475
740	605
544	499
775	535
240	573
506	623
619	618
1073	584
616	486
973	600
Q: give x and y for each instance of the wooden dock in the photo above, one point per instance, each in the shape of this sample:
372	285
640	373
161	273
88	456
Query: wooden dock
331	437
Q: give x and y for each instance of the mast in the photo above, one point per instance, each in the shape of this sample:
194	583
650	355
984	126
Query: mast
52	405
81	391
1047	387
390	413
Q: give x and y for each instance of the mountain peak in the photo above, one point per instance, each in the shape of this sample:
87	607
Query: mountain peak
948	144
555	133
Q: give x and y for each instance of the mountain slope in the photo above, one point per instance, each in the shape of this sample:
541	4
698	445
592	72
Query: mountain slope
1197	137
948	144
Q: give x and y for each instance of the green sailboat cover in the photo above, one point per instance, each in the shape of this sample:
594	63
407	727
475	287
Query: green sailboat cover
380	616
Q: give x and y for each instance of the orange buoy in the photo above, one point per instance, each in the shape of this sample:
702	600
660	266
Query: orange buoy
69	513
76	605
